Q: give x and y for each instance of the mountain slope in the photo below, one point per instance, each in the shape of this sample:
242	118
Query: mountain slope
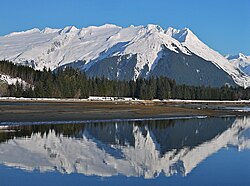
240	61
192	42
121	53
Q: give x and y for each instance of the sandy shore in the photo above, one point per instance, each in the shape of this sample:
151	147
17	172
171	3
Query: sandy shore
30	110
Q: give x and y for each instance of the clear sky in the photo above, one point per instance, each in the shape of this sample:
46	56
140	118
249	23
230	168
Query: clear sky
222	24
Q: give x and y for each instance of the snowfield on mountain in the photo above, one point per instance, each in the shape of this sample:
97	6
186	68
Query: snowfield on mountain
124	53
241	61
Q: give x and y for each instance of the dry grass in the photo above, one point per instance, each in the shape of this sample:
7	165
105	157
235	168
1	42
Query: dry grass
55	111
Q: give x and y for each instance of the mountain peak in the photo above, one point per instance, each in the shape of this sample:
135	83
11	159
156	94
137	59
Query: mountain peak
109	26
242	55
69	29
48	30
237	56
154	27
241	61
132	52
180	35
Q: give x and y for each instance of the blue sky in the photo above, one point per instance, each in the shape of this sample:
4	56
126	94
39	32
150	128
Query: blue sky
222	24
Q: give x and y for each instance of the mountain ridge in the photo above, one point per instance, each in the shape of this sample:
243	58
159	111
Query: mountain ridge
240	61
86	48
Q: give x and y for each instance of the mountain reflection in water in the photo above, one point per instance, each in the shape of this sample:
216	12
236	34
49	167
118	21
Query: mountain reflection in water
142	148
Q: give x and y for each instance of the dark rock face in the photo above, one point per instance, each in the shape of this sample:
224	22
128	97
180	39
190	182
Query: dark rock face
117	67
185	69
191	70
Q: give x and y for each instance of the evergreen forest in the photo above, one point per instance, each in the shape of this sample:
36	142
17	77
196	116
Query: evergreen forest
72	83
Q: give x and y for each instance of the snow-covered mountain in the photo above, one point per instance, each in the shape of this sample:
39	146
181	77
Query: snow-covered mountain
123	53
241	61
129	149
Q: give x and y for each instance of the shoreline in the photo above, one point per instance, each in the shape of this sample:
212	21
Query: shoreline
5	124
175	101
44	110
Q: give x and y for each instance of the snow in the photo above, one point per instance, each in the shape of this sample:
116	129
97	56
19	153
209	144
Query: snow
97	98
195	45
231	57
68	29
34	30
241	62
88	156
12	80
93	98
56	47
48	30
53	47
179	35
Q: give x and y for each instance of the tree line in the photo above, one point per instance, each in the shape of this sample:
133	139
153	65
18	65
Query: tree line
72	83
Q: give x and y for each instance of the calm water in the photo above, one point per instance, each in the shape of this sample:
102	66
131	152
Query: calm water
208	151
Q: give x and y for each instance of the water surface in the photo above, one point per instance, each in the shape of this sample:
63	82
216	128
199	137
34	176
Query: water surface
199	151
